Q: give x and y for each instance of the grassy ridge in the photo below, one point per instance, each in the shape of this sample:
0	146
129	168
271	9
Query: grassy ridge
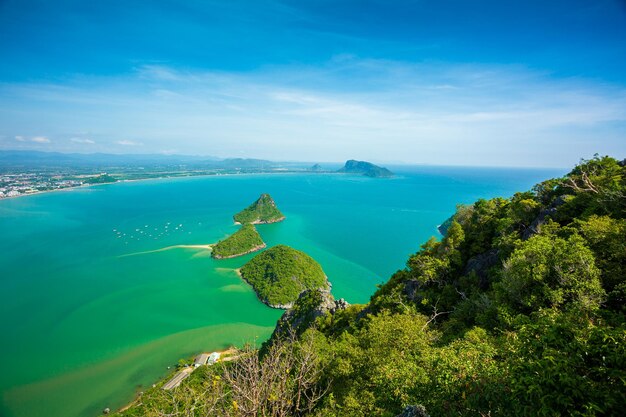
244	240
281	273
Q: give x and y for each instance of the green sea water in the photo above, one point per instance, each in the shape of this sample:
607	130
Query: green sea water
97	298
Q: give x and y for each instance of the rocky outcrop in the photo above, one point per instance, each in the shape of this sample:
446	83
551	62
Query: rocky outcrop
480	265
535	226
411	288
443	227
414	411
310	305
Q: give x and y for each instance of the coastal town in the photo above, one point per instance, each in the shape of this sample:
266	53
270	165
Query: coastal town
24	183
14	185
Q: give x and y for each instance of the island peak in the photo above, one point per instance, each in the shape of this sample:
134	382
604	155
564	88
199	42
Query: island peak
262	211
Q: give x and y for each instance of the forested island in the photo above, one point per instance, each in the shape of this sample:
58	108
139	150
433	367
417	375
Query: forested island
281	273
243	241
365	168
263	210
519	310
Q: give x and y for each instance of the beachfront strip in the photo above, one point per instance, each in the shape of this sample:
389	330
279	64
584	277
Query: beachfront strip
200	360
13	185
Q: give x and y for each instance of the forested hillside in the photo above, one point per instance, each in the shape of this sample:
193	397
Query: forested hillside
517	311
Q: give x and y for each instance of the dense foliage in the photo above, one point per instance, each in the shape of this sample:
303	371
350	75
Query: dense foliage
281	273
244	240
263	210
519	310
101	179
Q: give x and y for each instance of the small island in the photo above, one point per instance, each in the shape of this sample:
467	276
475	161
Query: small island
262	211
243	241
281	273
365	168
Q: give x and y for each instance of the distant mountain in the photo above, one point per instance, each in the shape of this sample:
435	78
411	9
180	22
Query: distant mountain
365	168
242	163
55	160
37	158
316	167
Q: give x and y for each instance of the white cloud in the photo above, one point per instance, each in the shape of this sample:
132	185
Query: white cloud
36	139
83	140
40	139
128	143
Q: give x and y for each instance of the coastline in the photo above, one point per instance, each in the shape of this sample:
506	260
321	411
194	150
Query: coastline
223	358
202	247
68	189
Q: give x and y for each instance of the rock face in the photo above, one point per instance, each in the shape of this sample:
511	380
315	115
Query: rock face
414	411
263	210
443	227
480	265
535	226
310	305
365	168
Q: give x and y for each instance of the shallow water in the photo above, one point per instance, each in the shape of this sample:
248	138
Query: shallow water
85	325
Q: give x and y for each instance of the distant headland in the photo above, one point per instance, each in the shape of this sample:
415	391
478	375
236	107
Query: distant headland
365	168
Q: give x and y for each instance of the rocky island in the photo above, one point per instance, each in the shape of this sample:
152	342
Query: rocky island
262	211
280	274
242	242
365	168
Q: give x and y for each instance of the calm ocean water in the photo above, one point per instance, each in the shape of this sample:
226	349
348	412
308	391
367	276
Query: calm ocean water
91	310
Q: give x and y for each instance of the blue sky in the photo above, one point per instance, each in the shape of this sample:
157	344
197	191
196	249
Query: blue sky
519	83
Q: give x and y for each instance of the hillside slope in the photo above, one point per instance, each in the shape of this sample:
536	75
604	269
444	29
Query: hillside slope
518	311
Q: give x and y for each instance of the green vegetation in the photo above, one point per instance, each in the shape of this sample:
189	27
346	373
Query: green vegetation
281	273
244	240
365	168
101	179
519	310
263	210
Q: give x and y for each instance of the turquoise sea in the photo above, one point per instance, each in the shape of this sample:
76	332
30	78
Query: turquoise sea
97	300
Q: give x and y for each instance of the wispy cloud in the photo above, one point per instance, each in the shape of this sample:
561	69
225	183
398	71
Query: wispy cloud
83	141
349	107
128	143
40	139
35	139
